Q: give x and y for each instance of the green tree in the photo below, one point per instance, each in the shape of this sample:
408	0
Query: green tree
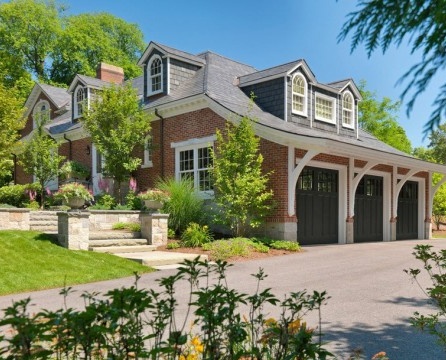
117	124
40	157
241	193
421	23
379	118
88	39
38	40
11	121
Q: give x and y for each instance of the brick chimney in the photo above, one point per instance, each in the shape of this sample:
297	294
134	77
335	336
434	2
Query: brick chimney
110	73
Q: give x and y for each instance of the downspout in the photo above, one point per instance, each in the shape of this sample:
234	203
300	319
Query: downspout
69	147
161	142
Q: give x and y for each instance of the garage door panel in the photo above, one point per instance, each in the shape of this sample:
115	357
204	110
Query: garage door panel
317	206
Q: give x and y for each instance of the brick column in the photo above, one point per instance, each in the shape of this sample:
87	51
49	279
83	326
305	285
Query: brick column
74	229
154	228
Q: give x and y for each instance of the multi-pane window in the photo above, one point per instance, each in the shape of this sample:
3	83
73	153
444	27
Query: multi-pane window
347	110
195	164
148	151
320	180
325	108
155	76
299	95
79	98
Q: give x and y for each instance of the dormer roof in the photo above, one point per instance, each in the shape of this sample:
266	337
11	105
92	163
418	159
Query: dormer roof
58	96
88	81
172	53
344	84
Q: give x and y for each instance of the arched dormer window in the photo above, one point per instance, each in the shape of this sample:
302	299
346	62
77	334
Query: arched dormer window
147	161
155	76
41	113
299	95
79	101
348	114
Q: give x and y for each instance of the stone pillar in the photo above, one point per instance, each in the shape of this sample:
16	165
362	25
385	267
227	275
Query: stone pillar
350	230
428	228
74	229
154	228
393	221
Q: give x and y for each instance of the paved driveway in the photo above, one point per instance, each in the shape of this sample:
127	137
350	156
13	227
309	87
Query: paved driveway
371	297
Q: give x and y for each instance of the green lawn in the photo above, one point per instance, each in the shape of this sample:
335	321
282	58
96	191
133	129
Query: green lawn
33	261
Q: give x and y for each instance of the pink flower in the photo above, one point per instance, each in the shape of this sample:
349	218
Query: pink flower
132	184
103	185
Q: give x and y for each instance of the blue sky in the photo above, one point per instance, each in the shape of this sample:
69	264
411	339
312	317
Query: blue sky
265	33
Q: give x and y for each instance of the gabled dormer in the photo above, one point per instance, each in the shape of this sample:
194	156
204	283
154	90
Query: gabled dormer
166	69
84	89
292	93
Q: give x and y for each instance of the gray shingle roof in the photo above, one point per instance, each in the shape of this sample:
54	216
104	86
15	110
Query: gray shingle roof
179	54
280	70
94	82
58	95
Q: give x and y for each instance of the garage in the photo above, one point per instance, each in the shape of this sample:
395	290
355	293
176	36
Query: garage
317	199
407	221
368	221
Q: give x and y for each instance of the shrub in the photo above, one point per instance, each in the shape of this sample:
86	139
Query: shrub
285	245
171	234
137	323
173	245
184	205
18	195
224	249
196	235
104	202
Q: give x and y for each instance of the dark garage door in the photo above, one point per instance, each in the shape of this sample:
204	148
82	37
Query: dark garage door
317	206
368	221
407	222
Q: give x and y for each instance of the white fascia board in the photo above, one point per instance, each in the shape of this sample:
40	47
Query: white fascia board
178	107
306	70
354	88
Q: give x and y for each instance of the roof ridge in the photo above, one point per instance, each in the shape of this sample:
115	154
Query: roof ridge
204	53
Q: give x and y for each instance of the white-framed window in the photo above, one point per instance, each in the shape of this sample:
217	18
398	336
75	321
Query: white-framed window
79	101
155	76
41	113
348	114
193	160
325	108
299	95
147	161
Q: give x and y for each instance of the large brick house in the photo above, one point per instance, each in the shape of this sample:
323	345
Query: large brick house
332	182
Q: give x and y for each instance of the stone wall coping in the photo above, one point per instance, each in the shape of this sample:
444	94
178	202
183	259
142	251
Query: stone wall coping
18	210
115	212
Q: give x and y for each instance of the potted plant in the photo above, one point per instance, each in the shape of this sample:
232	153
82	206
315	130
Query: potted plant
153	198
74	170
74	195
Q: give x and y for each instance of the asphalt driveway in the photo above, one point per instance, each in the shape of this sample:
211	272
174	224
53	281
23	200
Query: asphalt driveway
371	297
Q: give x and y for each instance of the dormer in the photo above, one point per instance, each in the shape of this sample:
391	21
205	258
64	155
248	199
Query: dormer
84	89
165	69
292	93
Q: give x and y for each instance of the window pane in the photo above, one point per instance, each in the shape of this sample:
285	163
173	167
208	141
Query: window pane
324	108
298	103
186	160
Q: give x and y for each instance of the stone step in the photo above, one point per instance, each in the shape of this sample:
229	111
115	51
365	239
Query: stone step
124	249
43	223
113	234
44	229
116	242
43	216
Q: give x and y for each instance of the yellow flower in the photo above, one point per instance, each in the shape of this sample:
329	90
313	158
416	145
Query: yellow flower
271	322
294	326
195	341
381	355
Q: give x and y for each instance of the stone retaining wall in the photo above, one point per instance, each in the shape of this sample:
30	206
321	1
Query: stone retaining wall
14	219
104	219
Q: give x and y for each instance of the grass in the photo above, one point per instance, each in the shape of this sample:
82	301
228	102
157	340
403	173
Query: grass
31	261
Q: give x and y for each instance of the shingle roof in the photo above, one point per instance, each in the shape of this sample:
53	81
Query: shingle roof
94	82
58	95
179	54
271	72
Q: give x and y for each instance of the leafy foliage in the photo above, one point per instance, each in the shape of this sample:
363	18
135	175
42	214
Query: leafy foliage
184	205
38	40
382	23
133	323
434	266
117	124
11	121
41	158
17	195
241	193
196	235
379	118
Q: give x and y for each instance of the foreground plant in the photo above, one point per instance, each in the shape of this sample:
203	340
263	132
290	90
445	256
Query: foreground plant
133	323
434	263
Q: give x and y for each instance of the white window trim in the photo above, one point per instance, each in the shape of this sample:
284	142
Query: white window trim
147	153
38	110
305	112
193	144
76	115
352	111
332	100
149	77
